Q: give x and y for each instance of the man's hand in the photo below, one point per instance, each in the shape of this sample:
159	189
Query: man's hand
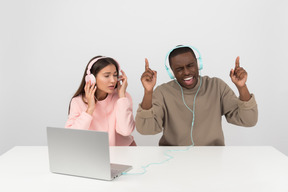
148	78
239	77
238	74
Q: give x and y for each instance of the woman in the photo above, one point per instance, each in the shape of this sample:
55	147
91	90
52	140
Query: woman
101	102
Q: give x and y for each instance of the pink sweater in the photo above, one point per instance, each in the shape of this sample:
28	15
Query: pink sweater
113	115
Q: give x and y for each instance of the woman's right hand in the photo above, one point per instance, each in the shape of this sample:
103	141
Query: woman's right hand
90	96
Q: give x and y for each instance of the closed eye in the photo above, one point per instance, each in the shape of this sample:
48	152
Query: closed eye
191	65
179	69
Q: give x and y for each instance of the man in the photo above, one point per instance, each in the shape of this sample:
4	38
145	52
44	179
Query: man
189	109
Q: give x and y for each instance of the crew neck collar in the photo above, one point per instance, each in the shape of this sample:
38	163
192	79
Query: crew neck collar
176	85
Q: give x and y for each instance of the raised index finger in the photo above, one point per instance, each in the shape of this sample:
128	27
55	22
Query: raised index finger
146	64
237	62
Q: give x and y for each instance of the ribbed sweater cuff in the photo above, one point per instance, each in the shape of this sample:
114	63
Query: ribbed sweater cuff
86	116
144	113
123	101
247	104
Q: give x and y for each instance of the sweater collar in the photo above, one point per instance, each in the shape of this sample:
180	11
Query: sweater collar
107	99
176	85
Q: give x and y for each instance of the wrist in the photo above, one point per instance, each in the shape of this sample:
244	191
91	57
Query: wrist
90	110
121	95
148	92
241	87
244	93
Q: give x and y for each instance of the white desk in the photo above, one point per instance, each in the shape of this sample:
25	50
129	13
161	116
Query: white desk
230	169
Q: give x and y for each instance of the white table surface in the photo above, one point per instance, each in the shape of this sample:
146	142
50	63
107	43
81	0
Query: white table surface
233	169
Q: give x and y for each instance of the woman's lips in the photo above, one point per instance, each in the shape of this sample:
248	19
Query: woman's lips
111	87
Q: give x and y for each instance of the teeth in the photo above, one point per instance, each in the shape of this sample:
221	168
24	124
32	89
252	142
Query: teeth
187	79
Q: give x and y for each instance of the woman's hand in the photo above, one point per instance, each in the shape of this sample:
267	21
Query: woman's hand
90	96
121	87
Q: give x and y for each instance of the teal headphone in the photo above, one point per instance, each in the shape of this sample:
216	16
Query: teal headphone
199	58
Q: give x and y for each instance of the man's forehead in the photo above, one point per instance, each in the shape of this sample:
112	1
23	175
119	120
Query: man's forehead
183	59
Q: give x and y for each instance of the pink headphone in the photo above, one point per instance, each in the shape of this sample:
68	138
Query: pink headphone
91	77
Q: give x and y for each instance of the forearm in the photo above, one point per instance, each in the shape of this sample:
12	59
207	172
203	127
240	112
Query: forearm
244	93
244	114
125	126
90	110
149	121
79	121
146	124
78	117
125	123
147	100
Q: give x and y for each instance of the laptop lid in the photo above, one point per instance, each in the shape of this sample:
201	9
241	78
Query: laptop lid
81	153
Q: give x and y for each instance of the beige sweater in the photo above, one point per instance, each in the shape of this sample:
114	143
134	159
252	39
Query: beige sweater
215	99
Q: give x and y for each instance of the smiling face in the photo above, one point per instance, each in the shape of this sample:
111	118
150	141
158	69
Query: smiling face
106	80
185	69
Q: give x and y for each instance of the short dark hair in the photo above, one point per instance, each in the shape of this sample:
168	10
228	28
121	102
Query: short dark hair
180	50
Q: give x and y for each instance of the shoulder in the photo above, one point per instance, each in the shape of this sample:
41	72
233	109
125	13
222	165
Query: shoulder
215	85
128	96
78	103
116	97
166	87
77	100
166	90
213	81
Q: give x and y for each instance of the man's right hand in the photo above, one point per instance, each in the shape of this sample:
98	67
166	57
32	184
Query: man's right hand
148	78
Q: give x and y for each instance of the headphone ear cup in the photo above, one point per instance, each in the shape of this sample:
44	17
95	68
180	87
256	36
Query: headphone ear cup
90	78
200	64
169	72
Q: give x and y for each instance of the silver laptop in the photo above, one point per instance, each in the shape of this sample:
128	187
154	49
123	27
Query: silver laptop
81	153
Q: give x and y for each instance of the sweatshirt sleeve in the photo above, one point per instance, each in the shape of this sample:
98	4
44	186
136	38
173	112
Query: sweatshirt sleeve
150	122
125	123
242	113
78	119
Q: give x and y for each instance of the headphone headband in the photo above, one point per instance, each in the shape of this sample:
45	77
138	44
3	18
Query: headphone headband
91	77
92	63
199	58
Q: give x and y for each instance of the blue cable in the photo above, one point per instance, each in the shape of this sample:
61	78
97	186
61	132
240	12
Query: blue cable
148	165
192	125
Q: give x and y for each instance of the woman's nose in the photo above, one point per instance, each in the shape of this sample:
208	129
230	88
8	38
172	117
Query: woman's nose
113	79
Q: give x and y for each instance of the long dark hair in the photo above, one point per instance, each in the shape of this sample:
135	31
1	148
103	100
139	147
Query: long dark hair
96	67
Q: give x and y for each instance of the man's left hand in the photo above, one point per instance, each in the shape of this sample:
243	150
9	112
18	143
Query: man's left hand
238	74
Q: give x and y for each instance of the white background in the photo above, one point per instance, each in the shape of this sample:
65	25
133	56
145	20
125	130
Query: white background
45	46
